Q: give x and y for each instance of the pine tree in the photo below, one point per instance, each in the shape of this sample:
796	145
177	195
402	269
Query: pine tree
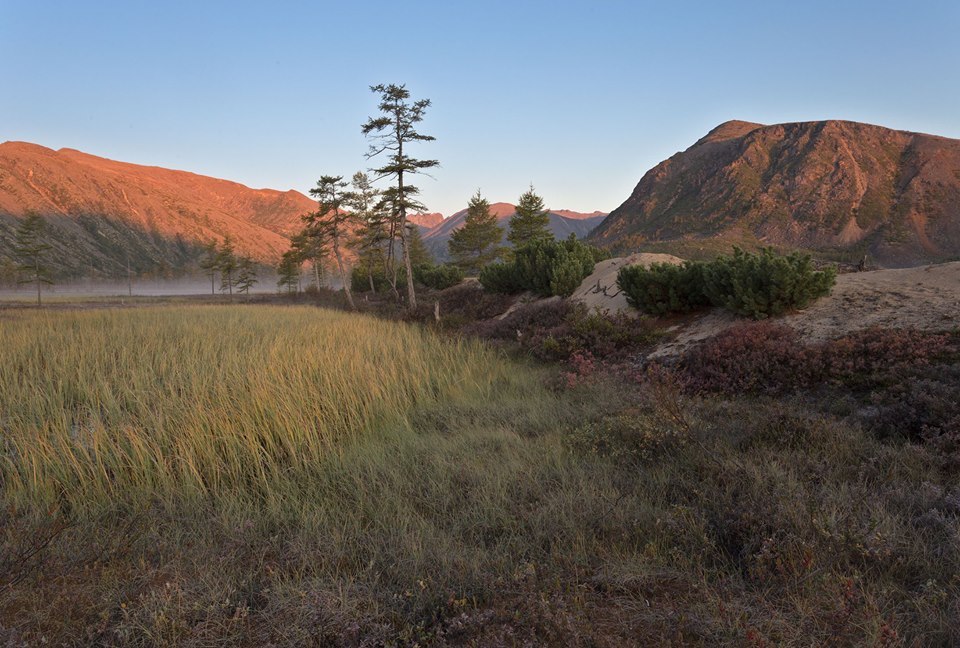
246	275
227	265
393	131
289	270
416	248
372	234
476	243
30	250
208	263
308	246
531	221
330	221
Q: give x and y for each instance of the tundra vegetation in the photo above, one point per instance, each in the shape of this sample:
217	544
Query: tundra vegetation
255	474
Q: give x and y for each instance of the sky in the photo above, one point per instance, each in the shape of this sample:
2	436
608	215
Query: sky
578	99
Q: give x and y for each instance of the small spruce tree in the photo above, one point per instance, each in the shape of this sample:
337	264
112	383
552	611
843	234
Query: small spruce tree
476	244
531	221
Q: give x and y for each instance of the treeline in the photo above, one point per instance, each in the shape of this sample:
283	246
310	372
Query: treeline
391	257
235	272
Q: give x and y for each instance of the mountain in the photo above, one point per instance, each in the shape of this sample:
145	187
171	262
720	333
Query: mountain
562	223
837	188
101	212
425	222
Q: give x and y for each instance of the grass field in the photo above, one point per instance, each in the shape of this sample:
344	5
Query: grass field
255	475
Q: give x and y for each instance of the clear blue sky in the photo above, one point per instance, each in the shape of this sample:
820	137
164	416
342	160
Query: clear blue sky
579	98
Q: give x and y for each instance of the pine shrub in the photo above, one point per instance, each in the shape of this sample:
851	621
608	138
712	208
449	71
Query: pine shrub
755	285
544	266
438	277
664	287
764	284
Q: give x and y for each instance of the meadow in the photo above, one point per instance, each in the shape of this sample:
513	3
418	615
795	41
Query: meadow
280	475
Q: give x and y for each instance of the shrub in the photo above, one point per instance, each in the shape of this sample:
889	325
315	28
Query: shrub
558	329
438	277
664	287
360	279
500	278
764	284
472	302
751	357
546	267
755	285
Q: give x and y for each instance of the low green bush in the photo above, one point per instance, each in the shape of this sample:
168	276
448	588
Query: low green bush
360	279
664	287
546	267
438	277
755	285
764	284
500	278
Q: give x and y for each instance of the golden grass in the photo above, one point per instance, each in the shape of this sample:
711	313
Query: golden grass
197	401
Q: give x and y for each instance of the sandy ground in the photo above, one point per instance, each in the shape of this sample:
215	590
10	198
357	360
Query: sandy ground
600	291
927	297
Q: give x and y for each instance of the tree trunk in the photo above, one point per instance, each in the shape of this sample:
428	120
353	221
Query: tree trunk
343	276
411	294
36	268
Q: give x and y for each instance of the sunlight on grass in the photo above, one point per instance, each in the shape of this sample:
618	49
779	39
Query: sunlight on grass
236	401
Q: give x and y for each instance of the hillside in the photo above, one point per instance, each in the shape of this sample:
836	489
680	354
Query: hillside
841	189
102	211
426	222
562	223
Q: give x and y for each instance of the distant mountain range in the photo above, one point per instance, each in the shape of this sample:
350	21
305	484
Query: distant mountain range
838	188
103	212
562	223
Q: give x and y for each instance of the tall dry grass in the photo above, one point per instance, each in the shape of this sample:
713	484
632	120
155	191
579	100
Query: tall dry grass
174	402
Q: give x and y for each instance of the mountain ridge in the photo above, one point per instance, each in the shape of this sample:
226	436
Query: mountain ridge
835	187
104	211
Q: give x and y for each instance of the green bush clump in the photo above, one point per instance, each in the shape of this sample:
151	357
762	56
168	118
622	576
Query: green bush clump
360	279
546	267
500	277
664	287
764	284
438	277
755	285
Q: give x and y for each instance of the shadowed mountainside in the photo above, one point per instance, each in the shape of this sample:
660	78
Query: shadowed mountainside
838	188
562	223
100	211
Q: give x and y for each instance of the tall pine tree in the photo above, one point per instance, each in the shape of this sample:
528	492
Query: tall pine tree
392	132
476	243
30	248
330	221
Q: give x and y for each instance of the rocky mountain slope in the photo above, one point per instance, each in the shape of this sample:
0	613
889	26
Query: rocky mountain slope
102	212
838	188
426	222
562	223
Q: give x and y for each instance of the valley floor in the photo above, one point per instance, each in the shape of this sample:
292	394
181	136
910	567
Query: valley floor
180	475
